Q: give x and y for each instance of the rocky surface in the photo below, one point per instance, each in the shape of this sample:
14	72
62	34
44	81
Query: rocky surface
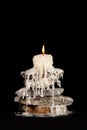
47	101
21	92
36	109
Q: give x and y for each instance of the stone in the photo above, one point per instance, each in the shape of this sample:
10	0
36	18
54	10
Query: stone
36	109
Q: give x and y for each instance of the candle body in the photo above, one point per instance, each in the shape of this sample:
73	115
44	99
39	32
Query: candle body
42	63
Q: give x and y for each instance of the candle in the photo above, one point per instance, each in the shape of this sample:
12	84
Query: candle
42	75
43	62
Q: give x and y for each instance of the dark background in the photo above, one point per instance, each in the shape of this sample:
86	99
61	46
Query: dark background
64	37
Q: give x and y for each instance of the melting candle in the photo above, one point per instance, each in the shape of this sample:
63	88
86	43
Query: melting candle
42	63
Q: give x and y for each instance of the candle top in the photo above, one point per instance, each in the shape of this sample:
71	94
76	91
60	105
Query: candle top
39	58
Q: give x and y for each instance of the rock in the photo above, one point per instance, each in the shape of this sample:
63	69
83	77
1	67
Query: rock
36	109
57	91
47	101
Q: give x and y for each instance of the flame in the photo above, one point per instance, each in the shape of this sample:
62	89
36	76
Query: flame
43	50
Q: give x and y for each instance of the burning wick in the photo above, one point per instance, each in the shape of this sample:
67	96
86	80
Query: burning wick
43	50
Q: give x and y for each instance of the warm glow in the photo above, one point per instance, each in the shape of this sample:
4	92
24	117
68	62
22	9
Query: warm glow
43	49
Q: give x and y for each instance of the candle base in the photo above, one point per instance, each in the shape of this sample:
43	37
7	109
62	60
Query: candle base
42	106
41	95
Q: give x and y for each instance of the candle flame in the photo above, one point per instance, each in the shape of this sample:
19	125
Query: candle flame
43	50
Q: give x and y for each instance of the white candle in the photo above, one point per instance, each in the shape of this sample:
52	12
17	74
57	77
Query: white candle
42	63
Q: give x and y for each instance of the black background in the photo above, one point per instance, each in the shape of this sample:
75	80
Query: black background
64	37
